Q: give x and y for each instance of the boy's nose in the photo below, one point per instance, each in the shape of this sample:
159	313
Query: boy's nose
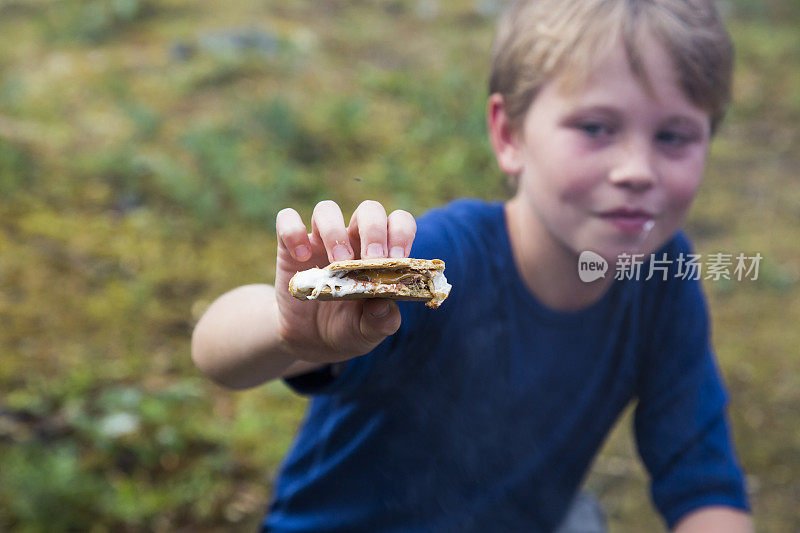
634	168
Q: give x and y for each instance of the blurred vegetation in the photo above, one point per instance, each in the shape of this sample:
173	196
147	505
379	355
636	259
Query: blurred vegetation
145	148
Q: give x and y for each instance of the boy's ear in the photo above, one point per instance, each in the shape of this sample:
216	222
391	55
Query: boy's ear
505	139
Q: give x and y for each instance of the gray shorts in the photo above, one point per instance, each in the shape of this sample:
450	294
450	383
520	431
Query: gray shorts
585	515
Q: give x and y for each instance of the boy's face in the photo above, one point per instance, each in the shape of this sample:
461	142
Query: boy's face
606	165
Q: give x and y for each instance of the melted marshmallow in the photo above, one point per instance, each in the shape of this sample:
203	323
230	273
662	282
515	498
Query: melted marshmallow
317	279
440	289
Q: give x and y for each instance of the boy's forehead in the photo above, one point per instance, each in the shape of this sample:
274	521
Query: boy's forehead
671	47
607	84
614	66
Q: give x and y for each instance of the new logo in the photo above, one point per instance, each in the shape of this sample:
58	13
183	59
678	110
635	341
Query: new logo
591	266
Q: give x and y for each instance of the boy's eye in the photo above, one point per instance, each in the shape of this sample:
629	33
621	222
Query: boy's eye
594	129
673	138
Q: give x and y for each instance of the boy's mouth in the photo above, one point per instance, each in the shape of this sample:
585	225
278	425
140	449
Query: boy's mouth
629	220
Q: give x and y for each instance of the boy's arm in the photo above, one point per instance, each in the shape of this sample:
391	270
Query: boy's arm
236	341
715	520
680	421
256	333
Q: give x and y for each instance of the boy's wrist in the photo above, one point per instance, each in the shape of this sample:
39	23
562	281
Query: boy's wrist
298	360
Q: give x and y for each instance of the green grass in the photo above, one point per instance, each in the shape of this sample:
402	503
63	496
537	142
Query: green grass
142	162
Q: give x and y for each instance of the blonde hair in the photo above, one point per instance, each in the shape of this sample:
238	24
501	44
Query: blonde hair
539	39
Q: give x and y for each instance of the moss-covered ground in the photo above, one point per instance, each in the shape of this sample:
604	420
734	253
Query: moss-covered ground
145	148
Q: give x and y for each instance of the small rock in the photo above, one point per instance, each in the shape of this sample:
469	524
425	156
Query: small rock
119	424
238	41
489	8
427	9
182	51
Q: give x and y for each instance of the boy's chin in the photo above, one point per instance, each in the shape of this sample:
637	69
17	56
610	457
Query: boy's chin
616	251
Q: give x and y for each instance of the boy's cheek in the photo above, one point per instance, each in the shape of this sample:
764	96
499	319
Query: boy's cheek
680	182
682	191
581	181
680	201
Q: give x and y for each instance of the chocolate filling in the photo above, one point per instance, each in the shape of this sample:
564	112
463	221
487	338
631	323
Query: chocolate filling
412	280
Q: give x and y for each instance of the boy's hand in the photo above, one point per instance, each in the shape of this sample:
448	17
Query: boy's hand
325	332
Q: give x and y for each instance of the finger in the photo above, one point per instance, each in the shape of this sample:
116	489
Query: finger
379	319
327	224
292	234
368	228
402	229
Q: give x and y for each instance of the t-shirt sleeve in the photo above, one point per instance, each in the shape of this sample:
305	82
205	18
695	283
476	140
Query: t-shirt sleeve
434	240
680	422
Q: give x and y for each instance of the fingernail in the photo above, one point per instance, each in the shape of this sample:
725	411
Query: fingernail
340	252
381	311
302	252
397	251
374	250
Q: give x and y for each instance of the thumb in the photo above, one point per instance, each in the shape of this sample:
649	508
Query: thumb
379	319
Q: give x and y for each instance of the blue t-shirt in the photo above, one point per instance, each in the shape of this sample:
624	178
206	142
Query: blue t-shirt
484	415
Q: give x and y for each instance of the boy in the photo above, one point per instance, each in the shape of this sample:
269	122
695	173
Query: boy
485	414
